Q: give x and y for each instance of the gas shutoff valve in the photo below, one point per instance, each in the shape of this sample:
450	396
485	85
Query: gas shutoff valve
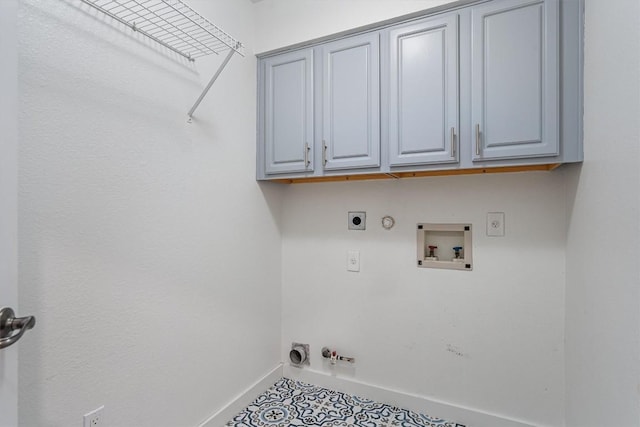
334	357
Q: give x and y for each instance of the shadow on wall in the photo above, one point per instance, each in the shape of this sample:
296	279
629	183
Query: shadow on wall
273	194
572	173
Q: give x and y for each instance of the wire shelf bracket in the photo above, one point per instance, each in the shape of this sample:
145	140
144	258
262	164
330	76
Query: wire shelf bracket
176	26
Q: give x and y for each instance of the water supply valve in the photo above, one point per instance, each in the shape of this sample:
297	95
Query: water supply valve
457	251
431	256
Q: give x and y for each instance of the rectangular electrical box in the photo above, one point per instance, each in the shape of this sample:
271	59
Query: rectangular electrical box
444	246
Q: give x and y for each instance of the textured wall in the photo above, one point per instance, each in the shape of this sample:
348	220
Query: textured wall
147	250
603	286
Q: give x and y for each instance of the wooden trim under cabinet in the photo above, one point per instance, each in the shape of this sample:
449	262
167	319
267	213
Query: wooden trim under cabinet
418	174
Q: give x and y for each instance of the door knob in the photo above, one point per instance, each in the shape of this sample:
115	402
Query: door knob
12	328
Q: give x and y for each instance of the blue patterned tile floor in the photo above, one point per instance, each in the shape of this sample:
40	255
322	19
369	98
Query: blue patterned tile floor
294	403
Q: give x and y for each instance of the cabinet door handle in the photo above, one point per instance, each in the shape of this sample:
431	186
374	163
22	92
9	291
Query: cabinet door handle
453	142
307	161
477	139
324	153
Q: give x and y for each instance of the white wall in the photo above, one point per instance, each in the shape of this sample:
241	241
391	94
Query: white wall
283	22
603	286
152	258
147	251
490	339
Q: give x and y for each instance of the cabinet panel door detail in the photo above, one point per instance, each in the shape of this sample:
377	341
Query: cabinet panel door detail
351	104
289	112
515	79
423	108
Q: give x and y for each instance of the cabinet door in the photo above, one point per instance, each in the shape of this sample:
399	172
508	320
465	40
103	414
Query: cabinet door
351	103
423	107
288	112
515	79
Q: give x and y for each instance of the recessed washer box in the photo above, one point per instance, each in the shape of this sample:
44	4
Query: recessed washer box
445	246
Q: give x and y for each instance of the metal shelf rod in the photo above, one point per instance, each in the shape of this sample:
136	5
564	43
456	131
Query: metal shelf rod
213	79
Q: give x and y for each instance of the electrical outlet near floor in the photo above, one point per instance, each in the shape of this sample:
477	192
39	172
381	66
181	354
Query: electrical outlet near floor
94	418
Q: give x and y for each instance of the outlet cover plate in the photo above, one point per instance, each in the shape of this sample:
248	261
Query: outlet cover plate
495	224
94	418
353	261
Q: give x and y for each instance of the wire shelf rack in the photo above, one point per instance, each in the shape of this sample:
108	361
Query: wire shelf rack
176	26
172	24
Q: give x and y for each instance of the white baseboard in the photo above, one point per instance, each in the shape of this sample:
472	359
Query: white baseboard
465	416
244	399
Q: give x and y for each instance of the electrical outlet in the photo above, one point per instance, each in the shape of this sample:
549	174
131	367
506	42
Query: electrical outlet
94	418
495	224
353	261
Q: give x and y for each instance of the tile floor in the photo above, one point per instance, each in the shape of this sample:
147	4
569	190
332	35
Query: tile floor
293	403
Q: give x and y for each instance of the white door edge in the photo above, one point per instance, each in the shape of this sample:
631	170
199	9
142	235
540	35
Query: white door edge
8	202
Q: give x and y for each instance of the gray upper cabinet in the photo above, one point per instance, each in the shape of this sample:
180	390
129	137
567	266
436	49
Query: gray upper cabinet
461	88
514	72
288	112
351	102
423	92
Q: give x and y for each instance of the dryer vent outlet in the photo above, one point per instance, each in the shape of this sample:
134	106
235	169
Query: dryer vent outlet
299	354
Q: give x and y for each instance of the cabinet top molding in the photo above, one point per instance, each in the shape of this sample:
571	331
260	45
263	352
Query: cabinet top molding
444	8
